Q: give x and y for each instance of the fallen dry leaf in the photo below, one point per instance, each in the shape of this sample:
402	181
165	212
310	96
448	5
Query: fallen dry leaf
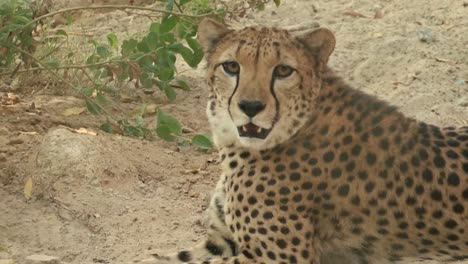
354	14
376	34
125	98
442	60
32	133
10	99
28	188
85	131
73	111
151	109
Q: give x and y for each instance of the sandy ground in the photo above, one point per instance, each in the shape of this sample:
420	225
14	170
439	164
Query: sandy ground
108	199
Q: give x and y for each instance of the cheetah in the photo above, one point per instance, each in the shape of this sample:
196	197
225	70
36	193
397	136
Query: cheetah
314	171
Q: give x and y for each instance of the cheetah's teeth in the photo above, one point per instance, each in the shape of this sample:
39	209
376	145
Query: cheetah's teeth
244	129
259	130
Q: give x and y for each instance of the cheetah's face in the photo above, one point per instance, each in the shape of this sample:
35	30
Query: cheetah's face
263	81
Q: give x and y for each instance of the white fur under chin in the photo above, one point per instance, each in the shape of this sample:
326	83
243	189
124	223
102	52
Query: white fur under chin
252	143
223	130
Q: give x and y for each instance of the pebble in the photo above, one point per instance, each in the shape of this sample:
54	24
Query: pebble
425	35
42	259
460	82
463	101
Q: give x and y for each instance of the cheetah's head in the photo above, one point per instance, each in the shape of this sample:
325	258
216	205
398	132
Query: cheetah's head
263	81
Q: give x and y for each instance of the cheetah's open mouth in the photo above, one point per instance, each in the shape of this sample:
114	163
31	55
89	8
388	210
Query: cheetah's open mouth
252	130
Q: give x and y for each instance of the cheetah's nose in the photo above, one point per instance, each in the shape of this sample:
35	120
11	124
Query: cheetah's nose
251	107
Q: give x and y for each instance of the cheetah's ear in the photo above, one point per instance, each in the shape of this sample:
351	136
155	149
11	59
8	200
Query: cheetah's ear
210	32
321	43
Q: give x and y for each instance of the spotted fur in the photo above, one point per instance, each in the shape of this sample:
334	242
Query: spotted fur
341	177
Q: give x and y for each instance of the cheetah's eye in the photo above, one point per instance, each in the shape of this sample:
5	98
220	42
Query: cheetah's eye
231	67
283	71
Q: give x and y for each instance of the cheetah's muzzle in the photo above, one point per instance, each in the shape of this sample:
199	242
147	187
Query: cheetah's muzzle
252	130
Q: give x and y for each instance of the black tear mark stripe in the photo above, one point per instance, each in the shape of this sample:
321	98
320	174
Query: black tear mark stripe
272	91
232	95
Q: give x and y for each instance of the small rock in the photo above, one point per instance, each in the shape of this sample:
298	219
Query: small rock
42	259
425	35
460	82
463	101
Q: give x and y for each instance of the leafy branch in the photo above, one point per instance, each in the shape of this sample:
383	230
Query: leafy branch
118	7
147	62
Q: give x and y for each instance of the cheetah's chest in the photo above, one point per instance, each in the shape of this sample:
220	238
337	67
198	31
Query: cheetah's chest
270	205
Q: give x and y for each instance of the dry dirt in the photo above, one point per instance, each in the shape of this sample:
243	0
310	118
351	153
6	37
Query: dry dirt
109	199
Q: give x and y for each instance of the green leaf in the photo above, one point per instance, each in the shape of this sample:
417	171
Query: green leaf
92	59
143	46
106	127
112	40
69	19
152	40
146	80
109	89
21	20
102	51
123	74
128	46
168	24
277	2
133	131
197	52
170	93
61	32
202	141
183	2
92	107
155	27
165	74
101	99
167	126
139	121
186	53
136	55
165	133
182	84
88	91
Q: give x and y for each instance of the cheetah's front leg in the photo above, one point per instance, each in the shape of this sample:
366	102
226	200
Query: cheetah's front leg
219	242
